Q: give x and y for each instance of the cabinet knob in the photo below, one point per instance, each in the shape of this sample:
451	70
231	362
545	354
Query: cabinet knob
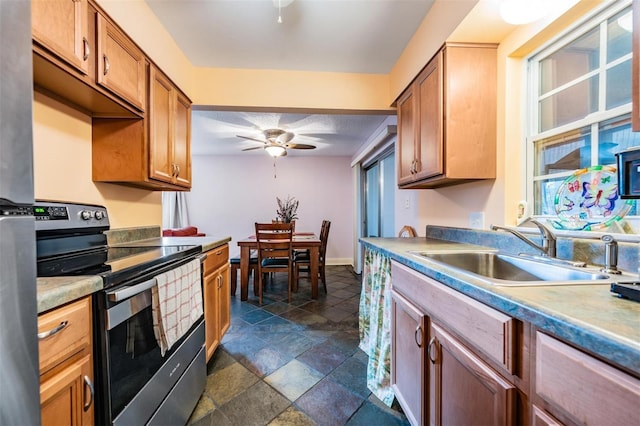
86	48
432	344
88	384
417	333
107	65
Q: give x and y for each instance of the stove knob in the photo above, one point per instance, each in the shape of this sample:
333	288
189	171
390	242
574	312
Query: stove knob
85	215
99	215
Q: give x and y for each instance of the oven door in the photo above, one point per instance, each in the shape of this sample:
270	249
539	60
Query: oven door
134	377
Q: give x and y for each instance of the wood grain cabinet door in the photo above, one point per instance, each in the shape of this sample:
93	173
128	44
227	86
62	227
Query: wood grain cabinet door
181	140
61	26
225	301
464	389
430	142
121	65
161	93
409	335
406	146
211	313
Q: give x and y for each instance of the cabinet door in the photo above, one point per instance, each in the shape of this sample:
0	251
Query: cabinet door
182	140
62	27
405	147
67	397
225	301
161	94
121	65
211	313
408	373
430	148
464	389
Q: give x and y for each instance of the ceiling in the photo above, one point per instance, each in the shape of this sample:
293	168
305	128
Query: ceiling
349	36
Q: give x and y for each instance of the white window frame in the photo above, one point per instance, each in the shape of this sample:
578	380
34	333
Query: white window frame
599	17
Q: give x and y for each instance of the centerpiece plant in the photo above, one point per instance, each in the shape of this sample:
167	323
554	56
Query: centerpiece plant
287	209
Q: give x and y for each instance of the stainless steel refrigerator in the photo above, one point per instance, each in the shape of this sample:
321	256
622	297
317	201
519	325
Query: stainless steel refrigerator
19	378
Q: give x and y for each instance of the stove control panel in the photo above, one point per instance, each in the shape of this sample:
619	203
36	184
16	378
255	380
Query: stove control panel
56	215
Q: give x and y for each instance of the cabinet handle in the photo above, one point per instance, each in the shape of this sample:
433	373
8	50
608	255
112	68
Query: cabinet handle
86	48
88	384
417	333
53	331
432	343
178	170
106	64
219	281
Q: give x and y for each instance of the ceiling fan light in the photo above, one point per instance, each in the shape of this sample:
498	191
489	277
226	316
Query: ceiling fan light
274	150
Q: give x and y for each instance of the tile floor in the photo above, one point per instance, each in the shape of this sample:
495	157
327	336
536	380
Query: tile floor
293	364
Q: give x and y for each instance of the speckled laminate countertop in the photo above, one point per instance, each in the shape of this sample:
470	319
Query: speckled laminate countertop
588	316
56	291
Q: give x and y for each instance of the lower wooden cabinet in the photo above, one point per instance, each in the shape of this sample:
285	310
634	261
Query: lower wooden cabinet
408	360
66	364
464	389
217	297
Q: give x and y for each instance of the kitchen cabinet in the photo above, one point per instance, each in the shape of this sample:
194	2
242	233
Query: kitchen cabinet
408	357
217	297
472	368
447	113
66	364
62	27
169	131
571	385
121	64
464	389
151	153
635	78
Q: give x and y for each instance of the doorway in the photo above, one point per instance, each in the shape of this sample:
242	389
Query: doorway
379	196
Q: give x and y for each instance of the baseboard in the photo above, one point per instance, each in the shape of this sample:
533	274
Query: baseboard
339	261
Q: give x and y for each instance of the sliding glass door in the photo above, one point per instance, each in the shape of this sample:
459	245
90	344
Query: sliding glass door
379	202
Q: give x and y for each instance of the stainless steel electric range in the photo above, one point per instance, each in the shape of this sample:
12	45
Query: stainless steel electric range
134	383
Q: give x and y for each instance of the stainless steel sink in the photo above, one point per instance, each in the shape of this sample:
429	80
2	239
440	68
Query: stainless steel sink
502	269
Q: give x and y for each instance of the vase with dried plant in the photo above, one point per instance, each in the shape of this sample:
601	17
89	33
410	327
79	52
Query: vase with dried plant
287	209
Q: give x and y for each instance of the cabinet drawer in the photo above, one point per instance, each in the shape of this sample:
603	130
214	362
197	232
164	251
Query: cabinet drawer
216	258
582	387
73	322
488	330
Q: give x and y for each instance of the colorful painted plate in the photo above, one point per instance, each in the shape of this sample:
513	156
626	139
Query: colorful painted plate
588	200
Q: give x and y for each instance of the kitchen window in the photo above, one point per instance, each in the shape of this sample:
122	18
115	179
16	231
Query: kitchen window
579	108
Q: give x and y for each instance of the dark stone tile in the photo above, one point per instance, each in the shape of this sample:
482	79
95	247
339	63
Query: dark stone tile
292	417
334	314
238	308
256	316
219	360
352	374
265	361
368	414
343	294
278	307
324	358
291	344
346	341
276	324
361	356
244	346
329	403
258	405
302	317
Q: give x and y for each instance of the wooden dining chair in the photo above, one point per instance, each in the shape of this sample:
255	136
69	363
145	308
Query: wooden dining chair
275	253
302	259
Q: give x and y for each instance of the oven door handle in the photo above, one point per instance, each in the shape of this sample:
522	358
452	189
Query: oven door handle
127	292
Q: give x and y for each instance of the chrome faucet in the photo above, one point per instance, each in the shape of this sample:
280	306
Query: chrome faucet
610	255
548	247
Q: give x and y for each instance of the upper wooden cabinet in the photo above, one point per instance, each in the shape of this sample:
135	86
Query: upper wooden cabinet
635	79
447	119
169	131
62	27
121	65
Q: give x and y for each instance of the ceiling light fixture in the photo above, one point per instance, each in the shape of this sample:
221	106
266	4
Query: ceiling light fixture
275	150
519	12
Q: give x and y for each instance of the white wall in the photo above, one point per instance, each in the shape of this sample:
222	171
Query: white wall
231	193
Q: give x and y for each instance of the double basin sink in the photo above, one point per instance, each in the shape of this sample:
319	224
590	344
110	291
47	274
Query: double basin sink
508	270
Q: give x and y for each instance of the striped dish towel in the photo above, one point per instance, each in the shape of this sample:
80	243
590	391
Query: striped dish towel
176	303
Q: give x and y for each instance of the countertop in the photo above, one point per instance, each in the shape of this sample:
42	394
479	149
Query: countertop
588	316
56	291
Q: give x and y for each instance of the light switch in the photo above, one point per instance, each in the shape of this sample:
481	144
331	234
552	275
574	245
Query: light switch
476	220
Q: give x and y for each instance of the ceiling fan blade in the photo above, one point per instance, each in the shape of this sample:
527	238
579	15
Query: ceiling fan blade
251	138
252	148
299	146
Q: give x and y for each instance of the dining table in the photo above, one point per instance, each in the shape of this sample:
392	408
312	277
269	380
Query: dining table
301	241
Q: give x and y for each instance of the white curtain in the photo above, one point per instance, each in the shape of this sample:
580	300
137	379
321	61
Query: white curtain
174	210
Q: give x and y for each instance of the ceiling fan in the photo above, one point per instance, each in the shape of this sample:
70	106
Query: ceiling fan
276	142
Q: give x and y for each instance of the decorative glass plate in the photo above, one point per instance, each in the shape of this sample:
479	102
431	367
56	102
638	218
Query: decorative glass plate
588	200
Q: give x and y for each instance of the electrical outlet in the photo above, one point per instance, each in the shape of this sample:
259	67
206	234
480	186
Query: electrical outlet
476	220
